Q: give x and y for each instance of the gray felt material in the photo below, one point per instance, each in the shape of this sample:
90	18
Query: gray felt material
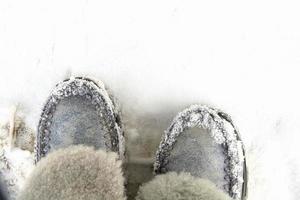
80	111
197	153
76	122
204	142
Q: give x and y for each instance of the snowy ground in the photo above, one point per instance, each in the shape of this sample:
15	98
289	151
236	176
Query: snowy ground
158	57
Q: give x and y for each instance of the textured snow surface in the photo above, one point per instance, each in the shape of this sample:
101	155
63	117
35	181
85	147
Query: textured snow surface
158	57
15	166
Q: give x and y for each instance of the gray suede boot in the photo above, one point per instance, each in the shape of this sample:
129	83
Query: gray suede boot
204	142
79	111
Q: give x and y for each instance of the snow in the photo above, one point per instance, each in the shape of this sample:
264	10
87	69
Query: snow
159	57
16	168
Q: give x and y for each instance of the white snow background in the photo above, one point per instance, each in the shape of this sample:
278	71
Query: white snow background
158	57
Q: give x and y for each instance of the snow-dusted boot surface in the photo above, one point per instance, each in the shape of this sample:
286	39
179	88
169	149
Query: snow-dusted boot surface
79	111
173	186
77	172
204	142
